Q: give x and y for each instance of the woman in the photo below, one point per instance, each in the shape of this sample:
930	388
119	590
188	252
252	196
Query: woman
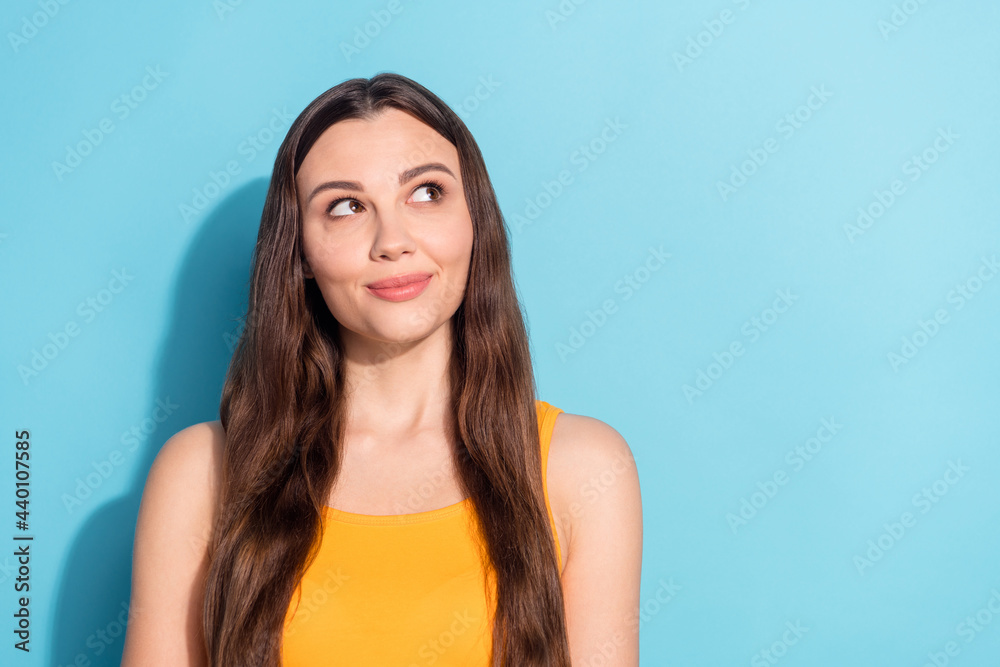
384	366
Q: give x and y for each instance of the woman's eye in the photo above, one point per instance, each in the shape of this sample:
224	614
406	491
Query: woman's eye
431	193
346	207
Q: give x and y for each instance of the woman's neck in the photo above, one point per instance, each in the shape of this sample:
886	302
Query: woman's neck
398	388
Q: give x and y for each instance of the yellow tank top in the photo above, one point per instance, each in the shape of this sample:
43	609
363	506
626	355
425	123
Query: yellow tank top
402	590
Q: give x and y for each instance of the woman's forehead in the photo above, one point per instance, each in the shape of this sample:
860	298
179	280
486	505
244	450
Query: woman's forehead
373	152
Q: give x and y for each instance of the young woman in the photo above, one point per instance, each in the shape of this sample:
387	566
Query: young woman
382	487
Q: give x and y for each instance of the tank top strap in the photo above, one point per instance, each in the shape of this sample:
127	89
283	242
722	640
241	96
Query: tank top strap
547	414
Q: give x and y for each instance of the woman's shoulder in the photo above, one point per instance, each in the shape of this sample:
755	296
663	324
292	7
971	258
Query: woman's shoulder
592	475
191	456
582	445
170	554
182	486
202	442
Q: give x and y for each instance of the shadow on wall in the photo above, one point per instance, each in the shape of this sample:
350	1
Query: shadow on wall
210	298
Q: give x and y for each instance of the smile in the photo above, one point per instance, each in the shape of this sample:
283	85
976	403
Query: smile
400	288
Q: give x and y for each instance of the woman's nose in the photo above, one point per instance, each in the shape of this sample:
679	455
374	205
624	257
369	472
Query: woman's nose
392	235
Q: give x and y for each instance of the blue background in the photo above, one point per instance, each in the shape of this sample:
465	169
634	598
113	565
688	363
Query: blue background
537	83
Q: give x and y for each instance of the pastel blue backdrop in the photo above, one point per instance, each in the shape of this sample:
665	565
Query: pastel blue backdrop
759	239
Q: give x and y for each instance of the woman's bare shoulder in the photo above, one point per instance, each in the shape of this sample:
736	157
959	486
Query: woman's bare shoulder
597	482
590	466
183	482
198	448
170	553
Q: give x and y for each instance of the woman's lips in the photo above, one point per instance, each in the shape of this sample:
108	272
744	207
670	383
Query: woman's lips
400	288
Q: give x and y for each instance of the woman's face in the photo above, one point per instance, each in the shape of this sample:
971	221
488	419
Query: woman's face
380	199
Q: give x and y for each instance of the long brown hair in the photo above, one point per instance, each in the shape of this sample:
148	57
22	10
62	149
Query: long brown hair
283	409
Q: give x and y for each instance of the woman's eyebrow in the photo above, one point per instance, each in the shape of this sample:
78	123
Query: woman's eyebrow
403	178
416	171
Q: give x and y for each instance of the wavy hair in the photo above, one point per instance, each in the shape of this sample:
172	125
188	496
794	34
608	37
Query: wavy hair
283	410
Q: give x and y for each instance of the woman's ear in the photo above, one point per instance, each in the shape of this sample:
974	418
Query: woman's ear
306	270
